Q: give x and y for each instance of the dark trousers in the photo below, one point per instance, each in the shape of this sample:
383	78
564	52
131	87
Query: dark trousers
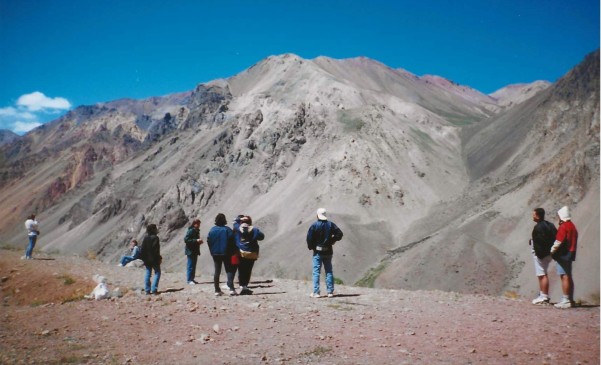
246	268
230	271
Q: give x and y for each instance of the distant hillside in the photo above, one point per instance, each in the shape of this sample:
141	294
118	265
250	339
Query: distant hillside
422	175
7	136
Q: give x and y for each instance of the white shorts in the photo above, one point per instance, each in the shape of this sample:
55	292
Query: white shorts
541	266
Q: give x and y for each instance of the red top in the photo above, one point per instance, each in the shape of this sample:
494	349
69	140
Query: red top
568	235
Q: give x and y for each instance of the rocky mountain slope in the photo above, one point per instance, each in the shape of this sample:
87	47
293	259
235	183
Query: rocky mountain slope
7	136
400	162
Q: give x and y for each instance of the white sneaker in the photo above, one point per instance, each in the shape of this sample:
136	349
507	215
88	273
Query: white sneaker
541	299
315	295
191	283
233	292
565	303
218	293
23	257
330	295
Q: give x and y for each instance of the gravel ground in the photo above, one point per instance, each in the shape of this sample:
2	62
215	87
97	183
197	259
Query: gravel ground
46	320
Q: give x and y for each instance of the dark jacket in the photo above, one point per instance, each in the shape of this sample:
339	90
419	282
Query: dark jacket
151	250
247	241
191	240
543	237
322	235
221	241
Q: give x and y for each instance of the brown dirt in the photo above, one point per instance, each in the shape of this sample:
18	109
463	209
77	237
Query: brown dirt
45	320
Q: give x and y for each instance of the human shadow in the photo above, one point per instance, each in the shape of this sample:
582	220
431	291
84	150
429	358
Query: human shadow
260	286
262	282
346	295
170	290
586	306
44	258
266	293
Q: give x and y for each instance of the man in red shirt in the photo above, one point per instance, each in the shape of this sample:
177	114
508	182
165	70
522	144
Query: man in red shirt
564	253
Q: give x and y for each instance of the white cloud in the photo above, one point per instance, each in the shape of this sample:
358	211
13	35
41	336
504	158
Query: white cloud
24	127
10	112
31	111
37	101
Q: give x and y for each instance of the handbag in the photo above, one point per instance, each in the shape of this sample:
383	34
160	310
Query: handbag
249	255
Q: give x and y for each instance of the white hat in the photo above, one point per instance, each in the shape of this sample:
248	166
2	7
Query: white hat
321	214
564	214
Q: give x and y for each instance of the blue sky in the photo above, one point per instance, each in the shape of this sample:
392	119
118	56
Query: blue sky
56	55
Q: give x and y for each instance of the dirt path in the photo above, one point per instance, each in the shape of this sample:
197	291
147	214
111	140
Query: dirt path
46	321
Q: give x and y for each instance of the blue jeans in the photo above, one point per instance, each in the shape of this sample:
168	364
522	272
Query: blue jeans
326	260
564	267
191	267
32	240
157	276
126	260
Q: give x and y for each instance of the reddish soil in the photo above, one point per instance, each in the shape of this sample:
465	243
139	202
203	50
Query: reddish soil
46	320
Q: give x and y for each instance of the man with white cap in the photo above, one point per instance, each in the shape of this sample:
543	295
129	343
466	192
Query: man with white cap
564	253
321	236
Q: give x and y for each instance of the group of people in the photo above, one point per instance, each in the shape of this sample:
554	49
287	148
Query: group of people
548	244
236	249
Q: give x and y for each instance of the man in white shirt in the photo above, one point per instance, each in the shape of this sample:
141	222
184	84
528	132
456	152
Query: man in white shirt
31	225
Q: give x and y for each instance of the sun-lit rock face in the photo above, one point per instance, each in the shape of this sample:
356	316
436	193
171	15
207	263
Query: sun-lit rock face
421	174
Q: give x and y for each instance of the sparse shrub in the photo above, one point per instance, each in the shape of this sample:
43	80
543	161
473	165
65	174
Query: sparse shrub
67	280
339	307
338	281
511	294
74	298
91	255
318	351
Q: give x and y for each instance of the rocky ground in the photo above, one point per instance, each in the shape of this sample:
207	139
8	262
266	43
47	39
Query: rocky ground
46	320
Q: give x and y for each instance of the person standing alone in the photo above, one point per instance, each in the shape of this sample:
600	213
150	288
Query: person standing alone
151	255
31	225
563	252
321	236
192	250
543	237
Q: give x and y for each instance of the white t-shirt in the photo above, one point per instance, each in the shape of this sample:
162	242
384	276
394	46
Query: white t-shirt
31	225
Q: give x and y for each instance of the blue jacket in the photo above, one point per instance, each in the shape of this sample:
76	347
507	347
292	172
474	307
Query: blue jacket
221	241
322	235
248	242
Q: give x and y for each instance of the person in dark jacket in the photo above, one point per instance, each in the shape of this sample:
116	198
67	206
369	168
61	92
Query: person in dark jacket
192	250
247	238
543	236
222	246
150	254
320	238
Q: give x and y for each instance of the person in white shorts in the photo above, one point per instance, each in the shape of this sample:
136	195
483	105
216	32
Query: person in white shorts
543	237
